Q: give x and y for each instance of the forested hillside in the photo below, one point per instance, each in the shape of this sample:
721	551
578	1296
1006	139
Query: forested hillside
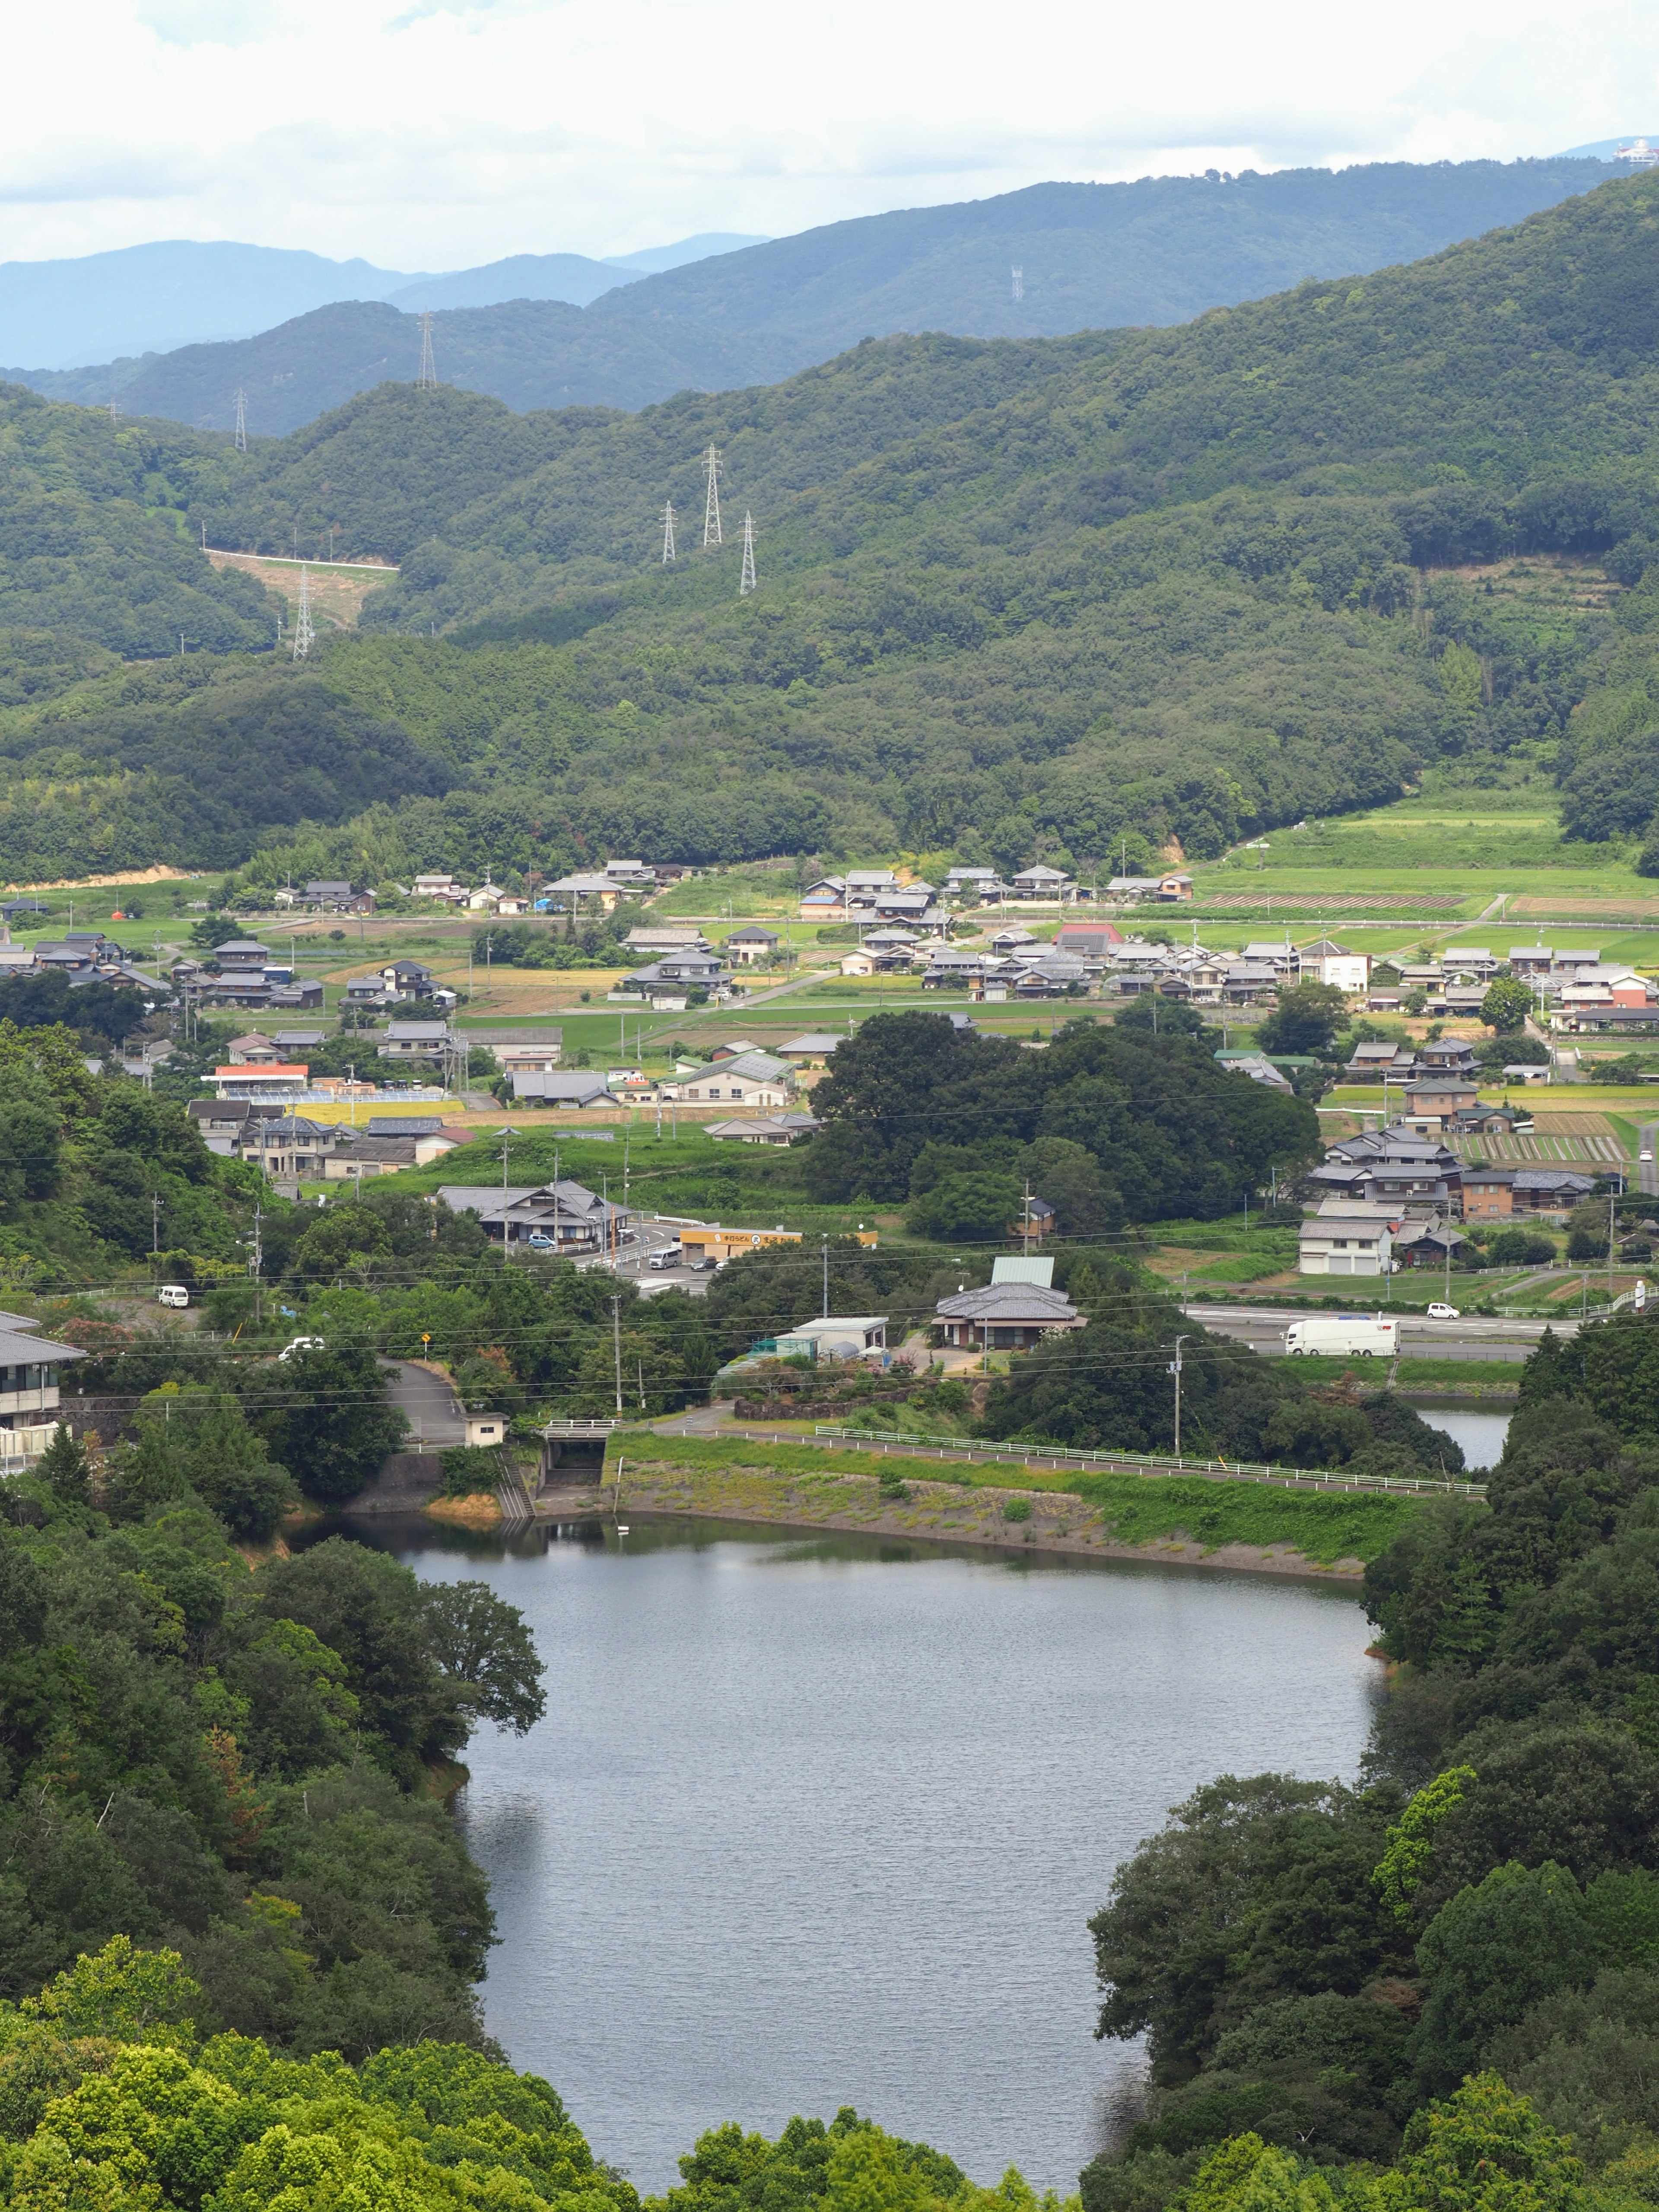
1017	599
1089	257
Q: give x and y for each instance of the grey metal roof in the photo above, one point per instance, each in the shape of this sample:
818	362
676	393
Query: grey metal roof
1008	1302
19	1349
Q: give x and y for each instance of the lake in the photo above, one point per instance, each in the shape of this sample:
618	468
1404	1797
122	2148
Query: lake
819	1821
1478	1430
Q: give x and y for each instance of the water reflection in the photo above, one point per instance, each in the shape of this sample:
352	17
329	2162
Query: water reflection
819	1820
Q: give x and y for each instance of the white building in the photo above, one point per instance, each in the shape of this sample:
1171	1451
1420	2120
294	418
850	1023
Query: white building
1325	961
1348	1237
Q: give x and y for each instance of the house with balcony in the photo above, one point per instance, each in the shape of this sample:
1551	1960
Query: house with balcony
30	1367
1325	961
1348	1237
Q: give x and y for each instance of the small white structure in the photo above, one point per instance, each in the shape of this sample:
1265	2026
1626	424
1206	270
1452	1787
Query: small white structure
1348	1237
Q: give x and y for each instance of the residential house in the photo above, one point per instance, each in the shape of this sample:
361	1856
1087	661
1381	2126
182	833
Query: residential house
1050	975
1348	1237
1371	1063
538	1086
777	1129
438	884
752	944
1429	1244
867	887
564	1218
290	1041
1475	963
1447	1056
1042	882
1325	961
332	897
1257	1066
416	1041
222	1122
537	1055
253	1051
570	894
304	998
369	1154
859	963
404	979
240	956
754	1078
1015	939
30	1367
638	877
1006	1316
1531	963
1275	952
814	1049
1089	941
1607	1020
947	968
1463	1001
1482	1121
491	898
824	899
1249	983
658	937
1173	885
1488	1194
288	1147
1036	1220
733	1048
1553	1191
974	886
1425	976
1431	1104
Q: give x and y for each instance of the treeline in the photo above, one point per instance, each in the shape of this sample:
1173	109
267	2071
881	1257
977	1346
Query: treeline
1315	1964
240	1762
1019	599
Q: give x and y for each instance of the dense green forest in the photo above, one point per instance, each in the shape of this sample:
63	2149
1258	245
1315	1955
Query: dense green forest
1019	599
1314	1964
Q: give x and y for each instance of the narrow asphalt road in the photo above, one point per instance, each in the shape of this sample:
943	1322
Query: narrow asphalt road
1647	1176
1472	1338
427	1402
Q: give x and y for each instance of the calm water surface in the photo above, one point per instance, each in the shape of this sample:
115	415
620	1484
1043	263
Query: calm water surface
812	1823
1481	1433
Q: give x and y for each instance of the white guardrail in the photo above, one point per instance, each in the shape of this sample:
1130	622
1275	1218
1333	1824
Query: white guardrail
1061	1460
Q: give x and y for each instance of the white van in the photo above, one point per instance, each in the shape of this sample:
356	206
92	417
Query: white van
173	1294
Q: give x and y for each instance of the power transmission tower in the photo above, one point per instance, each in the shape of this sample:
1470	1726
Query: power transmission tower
302	630
241	420
114	411
668	535
427	379
1018	275
711	512
748	582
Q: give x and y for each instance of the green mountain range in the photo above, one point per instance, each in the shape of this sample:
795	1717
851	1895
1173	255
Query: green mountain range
1040	262
1063	597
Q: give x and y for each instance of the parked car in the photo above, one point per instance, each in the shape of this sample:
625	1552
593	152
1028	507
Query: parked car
539	1241
704	1264
1441	1311
173	1294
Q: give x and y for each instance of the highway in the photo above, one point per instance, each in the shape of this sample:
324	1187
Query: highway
1263	1328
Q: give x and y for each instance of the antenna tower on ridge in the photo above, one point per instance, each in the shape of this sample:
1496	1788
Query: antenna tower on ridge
302	629
427	379
668	535
711	512
114	411
241	420
748	582
1018	275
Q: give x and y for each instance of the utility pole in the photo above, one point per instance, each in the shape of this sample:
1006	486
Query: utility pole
746	584
154	1223
1174	1369
825	1241
258	1246
1025	1221
303	633
616	1341
711	511
668	535
1610	1207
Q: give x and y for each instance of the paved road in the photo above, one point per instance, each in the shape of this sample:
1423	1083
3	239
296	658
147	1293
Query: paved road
427	1403
1647	1174
1473	1338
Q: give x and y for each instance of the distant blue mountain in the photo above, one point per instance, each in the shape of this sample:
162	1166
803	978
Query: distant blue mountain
1605	148
179	292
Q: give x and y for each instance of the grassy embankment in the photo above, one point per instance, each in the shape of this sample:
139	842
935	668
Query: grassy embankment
804	1484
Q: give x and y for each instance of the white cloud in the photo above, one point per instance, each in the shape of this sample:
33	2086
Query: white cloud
431	134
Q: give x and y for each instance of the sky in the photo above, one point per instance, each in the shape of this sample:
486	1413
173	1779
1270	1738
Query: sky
437	134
